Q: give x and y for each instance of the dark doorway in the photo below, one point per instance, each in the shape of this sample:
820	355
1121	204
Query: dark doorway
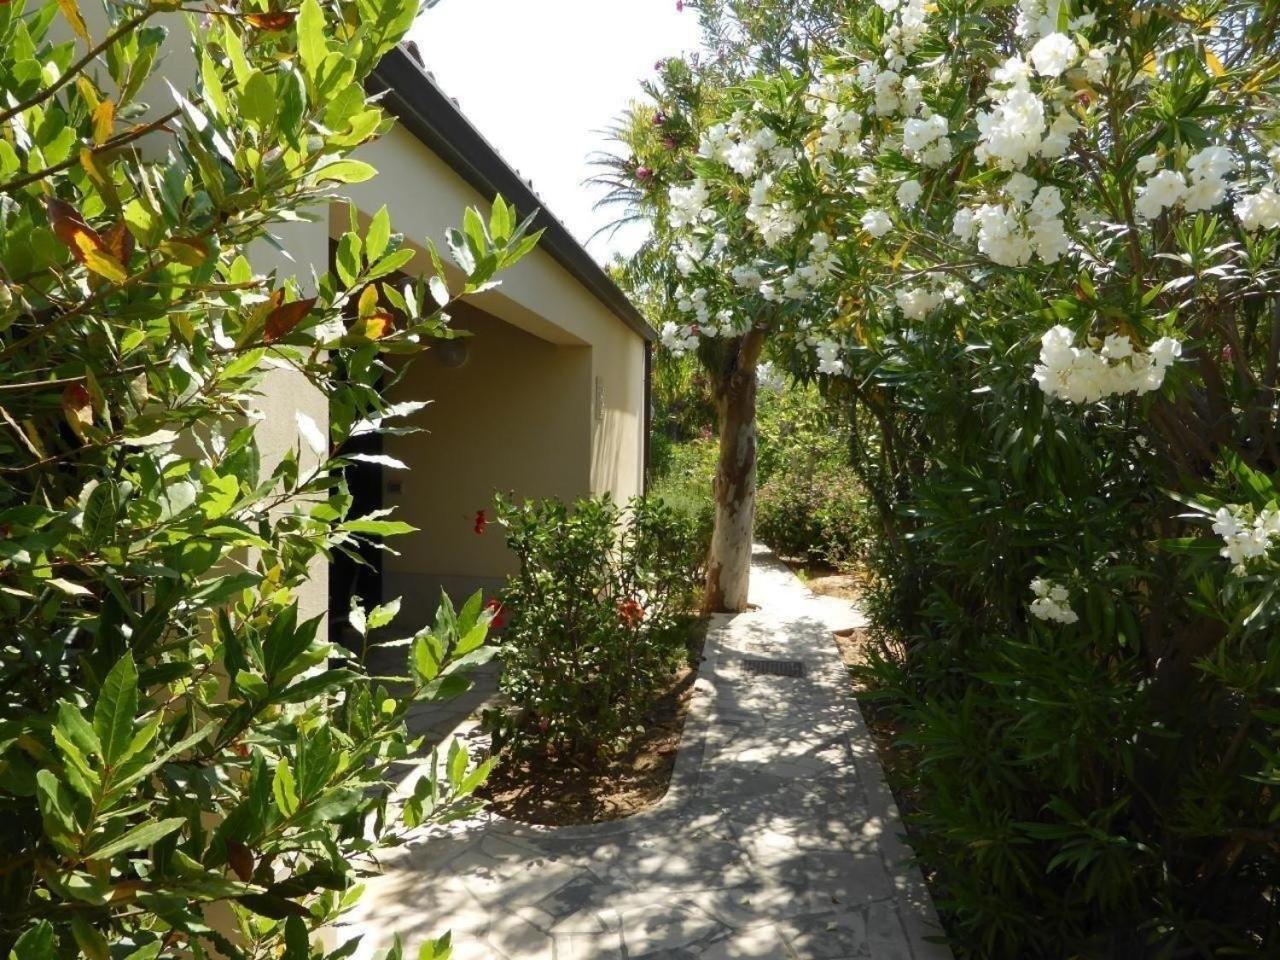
357	572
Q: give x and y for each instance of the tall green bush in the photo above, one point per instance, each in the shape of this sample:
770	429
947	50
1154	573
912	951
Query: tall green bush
185	767
1034	246
599	616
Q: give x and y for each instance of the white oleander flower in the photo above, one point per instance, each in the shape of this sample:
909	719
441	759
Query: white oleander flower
1246	536
877	223
1052	602
1052	54
1159	193
1259	211
688	204
909	193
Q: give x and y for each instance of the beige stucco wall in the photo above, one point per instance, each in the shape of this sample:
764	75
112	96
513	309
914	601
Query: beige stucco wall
551	402
509	421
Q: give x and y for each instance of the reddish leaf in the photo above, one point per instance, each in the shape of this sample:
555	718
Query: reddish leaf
240	859
69	227
77	407
279	20
284	318
119	242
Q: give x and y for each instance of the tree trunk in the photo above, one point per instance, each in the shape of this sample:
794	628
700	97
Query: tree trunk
729	563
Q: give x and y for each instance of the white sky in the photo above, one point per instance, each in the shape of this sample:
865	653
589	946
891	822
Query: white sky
542	78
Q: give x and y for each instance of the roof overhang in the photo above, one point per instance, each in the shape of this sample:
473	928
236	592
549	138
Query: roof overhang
411	94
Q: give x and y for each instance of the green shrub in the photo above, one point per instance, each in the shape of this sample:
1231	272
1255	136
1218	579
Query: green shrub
599	616
814	515
685	485
177	741
1108	783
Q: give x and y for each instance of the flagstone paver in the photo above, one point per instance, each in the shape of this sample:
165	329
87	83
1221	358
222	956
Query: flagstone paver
777	839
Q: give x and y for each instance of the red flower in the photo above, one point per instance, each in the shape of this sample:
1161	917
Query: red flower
481	522
643	174
631	612
498	620
659	119
679	6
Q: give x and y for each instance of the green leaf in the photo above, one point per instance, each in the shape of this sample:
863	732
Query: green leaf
36	943
139	838
378	235
456	765
379	528
57	811
345	171
219	496
76	729
383	614
439	949
90	940
116	709
258	100
472	639
312	48
347	258
284	789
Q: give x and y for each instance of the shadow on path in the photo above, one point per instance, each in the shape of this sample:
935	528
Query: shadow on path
777	839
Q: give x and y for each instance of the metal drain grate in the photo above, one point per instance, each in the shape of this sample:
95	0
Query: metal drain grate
775	668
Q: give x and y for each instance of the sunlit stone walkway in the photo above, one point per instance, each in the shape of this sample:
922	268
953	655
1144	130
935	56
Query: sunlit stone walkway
778	838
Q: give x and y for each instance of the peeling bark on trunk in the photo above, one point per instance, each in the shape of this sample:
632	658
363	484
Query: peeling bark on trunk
729	563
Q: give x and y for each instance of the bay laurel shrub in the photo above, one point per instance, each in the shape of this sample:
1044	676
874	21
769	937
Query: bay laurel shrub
1034	245
600	615
187	768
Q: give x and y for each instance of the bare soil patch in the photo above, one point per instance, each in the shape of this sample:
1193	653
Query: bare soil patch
558	792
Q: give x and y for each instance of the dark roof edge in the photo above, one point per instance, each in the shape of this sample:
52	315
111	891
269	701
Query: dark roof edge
427	113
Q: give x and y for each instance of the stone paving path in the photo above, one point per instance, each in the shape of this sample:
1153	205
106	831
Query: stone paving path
777	839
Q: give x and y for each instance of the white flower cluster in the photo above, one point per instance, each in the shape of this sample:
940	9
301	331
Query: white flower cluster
1009	234
925	140
1038	18
688	204
678	339
829	361
877	223
774	220
1259	211
770	378
1246	538
916	303
841	132
743	150
1052	602
909	194
1017	128
903	36
1085	375
1168	188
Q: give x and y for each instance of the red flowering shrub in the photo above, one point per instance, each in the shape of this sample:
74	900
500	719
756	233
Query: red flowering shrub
599	618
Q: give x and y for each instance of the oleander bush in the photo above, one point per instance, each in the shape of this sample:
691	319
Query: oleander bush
600	615
1034	246
187	768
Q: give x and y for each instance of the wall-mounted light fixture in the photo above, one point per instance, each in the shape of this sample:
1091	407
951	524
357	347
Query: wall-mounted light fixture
451	354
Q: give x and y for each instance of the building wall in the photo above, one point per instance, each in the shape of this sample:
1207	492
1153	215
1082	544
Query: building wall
510	420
